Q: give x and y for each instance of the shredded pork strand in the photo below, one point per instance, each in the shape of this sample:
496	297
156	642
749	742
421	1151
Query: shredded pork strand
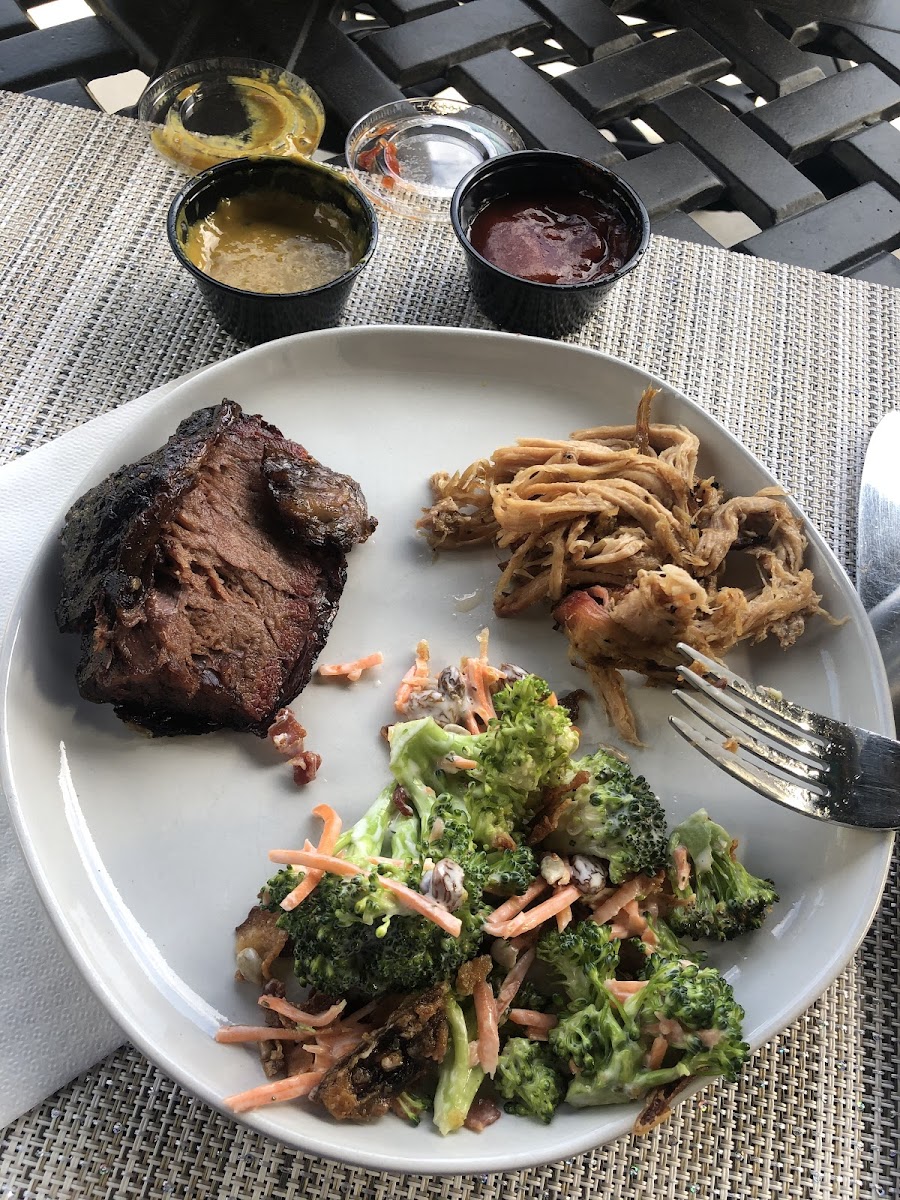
614	529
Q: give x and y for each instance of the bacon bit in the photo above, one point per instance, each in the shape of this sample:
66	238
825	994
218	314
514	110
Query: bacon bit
561	899
314	1020
230	1034
286	733
682	868
488	1035
484	1112
536	1035
312	858
732	745
564	918
422	905
532	1019
510	987
622	989
306	767
656	1053
525	941
415	678
629	922
352	670
287	736
710	1037
291	1088
515	904
630	890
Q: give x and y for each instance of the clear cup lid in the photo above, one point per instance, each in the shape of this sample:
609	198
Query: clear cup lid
410	155
219	108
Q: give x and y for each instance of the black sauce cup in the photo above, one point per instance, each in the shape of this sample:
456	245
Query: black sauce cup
523	305
262	316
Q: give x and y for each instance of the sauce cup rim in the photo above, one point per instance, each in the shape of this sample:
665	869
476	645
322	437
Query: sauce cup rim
507	160
233	166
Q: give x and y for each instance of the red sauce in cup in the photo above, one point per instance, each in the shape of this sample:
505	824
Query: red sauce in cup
564	239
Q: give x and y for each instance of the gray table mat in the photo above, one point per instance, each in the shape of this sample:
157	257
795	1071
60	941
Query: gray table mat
94	311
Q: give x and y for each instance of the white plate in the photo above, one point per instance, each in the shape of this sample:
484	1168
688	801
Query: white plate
148	853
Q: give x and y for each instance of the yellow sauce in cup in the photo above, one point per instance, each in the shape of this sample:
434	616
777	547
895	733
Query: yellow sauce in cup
280	120
272	242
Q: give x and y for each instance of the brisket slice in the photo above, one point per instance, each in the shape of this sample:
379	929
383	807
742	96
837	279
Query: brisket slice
199	605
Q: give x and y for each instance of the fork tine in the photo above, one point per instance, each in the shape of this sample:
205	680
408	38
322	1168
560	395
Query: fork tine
765	700
806	772
789	794
755	720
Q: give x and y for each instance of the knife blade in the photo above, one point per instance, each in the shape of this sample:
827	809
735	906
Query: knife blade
878	545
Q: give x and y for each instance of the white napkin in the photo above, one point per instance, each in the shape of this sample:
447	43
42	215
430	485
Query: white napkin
51	1025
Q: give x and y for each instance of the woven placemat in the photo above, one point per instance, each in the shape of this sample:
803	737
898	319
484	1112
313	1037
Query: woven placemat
94	310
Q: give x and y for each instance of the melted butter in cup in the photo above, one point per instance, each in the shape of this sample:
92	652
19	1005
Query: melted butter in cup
219	109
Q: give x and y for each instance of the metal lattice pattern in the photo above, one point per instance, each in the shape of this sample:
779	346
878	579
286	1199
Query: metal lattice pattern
775	111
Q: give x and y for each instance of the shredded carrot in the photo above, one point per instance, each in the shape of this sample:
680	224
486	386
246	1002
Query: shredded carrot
327	842
378	861
629	890
657	1053
259	1033
682	867
312	858
533	917
564	918
621	989
552	701
332	829
513	981
313	1020
514	905
480	702
488	1035
414	678
352	670
532	1019
455	762
420	904
271	1093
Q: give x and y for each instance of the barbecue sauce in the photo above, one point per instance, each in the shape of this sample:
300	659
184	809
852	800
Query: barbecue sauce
560	239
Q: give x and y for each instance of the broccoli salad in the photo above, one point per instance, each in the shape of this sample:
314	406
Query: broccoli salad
510	926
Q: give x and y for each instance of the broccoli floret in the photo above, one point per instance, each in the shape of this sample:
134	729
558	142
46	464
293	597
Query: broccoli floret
449	834
725	899
410	1107
509	872
530	1078
524	749
352	938
604	1051
458	1082
667	948
613	816
580	959
691	1006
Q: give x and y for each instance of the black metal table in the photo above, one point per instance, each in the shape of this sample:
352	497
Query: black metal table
778	110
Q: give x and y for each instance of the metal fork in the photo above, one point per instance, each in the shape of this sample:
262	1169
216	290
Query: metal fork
827	770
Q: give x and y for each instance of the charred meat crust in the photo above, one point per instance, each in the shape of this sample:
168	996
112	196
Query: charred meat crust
387	1061
321	506
199	606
